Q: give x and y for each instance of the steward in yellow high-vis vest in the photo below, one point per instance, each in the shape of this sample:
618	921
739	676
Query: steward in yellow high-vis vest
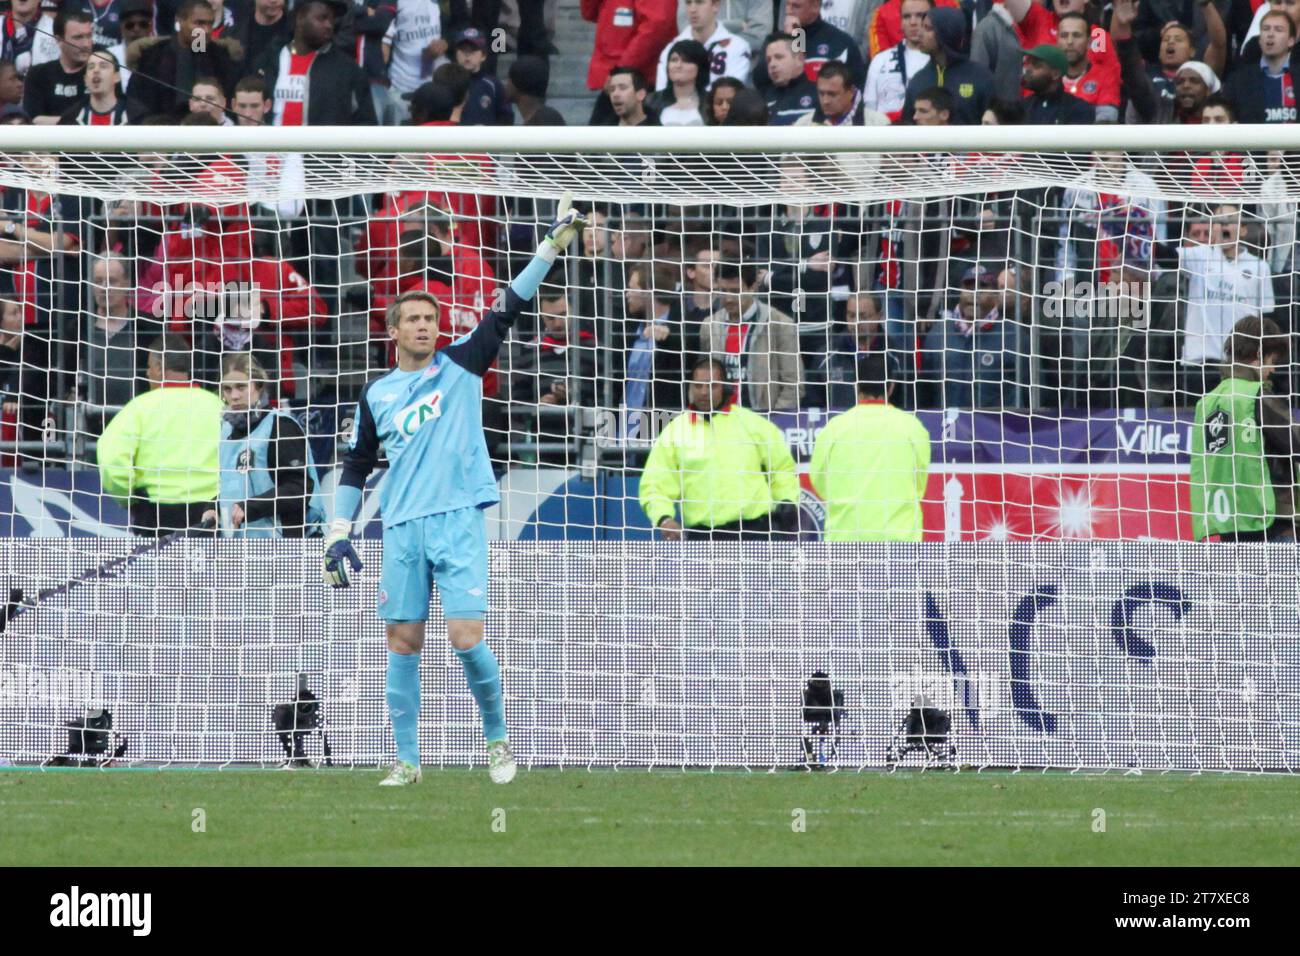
869	465
158	455
729	469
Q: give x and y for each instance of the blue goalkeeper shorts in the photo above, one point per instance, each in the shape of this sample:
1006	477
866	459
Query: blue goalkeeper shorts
450	548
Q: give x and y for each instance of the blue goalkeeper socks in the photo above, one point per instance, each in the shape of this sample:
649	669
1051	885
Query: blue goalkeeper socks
484	679
404	704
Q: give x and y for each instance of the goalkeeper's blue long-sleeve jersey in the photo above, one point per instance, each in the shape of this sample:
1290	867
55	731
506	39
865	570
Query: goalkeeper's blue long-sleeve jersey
430	425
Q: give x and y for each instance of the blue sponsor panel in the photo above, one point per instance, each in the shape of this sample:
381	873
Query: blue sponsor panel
55	503
584	510
1139	655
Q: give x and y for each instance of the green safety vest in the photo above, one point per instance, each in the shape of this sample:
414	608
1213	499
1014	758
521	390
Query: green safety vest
722	467
869	466
1232	490
163	446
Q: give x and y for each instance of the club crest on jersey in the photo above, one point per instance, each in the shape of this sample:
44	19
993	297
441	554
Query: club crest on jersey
1216	432
412	418
245	460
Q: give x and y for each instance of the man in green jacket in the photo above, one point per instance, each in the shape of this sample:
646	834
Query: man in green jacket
869	465
1245	444
159	454
730	469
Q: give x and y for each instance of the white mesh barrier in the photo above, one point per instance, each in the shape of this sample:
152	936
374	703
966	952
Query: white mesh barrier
1018	554
1069	655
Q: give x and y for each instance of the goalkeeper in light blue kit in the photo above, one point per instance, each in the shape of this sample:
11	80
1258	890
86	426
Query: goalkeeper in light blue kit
427	416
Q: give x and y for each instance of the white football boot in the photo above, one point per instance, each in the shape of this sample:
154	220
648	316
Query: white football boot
402	775
501	762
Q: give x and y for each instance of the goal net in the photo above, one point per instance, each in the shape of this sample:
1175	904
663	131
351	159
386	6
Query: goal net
1015	567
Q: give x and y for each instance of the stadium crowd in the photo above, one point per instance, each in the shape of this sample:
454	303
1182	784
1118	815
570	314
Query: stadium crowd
958	296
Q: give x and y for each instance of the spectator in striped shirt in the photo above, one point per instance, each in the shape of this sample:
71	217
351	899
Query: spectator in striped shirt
893	67
312	82
101	106
27	36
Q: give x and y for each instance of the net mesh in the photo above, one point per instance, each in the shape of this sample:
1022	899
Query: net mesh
1050	321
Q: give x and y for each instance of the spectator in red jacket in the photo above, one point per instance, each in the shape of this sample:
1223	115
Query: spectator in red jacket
264	305
377	247
1036	25
628	33
203	246
290	308
432	257
1082	78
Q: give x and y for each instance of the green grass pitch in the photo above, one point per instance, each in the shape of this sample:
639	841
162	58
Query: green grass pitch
146	817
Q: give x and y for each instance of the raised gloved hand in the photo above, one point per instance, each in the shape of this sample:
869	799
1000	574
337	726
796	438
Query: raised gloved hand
339	553
568	223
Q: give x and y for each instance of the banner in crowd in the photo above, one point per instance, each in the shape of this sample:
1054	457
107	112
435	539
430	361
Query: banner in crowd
993	476
1098	655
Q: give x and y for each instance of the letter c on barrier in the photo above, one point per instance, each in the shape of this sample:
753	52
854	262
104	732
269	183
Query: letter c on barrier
1023	697
1167	596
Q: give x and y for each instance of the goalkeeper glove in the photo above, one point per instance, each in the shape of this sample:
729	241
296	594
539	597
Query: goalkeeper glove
568	223
339	553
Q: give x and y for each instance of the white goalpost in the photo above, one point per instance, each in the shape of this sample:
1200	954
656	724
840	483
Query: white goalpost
1050	304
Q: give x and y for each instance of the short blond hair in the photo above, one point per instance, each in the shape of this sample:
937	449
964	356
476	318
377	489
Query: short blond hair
244	362
394	313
